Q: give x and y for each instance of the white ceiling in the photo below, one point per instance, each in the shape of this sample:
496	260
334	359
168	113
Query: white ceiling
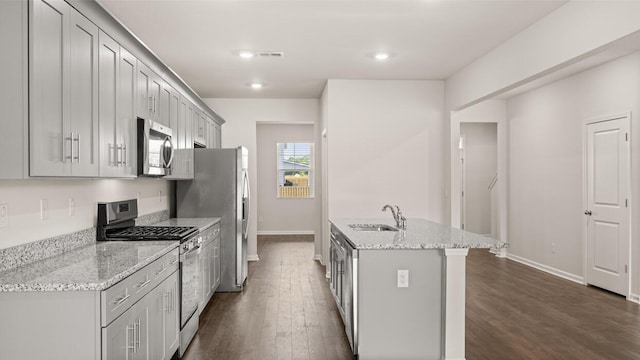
321	39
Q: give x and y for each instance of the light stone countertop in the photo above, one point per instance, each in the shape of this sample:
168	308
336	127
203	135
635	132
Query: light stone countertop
93	267
201	223
420	234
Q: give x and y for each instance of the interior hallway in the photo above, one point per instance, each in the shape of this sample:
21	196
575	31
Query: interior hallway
513	312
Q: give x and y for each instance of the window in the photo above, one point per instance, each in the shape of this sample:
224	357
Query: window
295	170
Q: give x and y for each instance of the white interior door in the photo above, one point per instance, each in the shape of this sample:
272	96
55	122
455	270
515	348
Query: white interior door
607	209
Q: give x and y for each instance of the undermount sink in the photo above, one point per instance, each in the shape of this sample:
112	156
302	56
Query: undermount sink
372	227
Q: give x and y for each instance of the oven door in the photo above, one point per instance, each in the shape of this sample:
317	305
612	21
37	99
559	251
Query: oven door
189	283
155	148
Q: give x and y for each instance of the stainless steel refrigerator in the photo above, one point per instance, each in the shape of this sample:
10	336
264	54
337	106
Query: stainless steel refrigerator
220	188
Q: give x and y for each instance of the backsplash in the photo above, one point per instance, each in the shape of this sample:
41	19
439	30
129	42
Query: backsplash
27	253
49	208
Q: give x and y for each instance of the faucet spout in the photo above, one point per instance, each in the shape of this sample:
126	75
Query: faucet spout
401	221
393	212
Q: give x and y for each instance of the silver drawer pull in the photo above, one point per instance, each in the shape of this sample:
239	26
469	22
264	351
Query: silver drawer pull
174	261
161	271
121	300
144	284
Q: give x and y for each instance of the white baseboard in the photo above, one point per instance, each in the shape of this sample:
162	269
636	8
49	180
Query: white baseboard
286	232
317	257
253	258
547	269
634	298
501	253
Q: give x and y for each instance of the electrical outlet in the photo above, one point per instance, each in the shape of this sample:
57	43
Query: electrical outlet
44	209
4	215
139	195
553	248
160	196
72	207
403	278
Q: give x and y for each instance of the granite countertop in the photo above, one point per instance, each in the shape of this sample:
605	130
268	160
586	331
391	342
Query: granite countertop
92	267
201	223
420	234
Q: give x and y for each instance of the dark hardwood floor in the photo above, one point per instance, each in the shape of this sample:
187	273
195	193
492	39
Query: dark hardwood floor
513	312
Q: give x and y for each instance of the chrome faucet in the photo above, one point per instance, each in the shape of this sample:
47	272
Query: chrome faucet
401	221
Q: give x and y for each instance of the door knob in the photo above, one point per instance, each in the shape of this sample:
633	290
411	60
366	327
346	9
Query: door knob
588	212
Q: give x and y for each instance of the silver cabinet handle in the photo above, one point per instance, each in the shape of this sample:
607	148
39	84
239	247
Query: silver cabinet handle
122	299
151	104
136	327
77	140
131	338
70	140
142	285
124	154
161	271
174	261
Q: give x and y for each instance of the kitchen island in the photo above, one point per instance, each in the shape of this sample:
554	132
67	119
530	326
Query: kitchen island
401	292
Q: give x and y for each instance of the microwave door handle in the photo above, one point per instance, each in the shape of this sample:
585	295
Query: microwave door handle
167	164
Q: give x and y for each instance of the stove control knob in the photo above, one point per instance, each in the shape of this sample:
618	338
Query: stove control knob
185	247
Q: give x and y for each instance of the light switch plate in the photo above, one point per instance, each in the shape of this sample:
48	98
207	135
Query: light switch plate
403	278
4	215
72	207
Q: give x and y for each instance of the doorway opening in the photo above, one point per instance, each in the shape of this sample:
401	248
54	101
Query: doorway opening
479	204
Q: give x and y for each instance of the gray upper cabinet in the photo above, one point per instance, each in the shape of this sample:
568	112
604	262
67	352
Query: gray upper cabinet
150	86
180	121
13	96
199	127
117	75
63	91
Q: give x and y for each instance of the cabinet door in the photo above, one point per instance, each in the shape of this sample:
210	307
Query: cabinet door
83	95
50	149
144	102
216	263
126	338
205	288
174	118
218	136
108	90
172	316
126	124
165	111
155	92
157	302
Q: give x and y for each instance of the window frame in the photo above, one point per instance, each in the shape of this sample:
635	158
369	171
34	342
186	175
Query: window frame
310	170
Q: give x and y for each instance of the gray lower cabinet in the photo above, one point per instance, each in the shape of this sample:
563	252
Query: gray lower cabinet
137	318
127	337
63	91
209	264
117	78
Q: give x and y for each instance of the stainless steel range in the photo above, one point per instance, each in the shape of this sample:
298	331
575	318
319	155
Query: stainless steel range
116	222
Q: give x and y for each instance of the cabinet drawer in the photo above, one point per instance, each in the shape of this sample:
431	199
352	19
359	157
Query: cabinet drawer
211	233
121	296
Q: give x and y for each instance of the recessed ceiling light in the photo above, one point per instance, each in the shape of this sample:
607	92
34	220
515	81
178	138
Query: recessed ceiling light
256	86
246	54
381	56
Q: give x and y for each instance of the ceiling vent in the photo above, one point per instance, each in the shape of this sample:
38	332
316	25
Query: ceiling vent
270	54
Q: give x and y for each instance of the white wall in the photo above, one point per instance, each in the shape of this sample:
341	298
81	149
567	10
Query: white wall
23	198
242	117
281	215
546	162
573	31
385	146
481	165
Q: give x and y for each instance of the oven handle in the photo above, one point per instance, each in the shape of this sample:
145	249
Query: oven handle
167	164
195	249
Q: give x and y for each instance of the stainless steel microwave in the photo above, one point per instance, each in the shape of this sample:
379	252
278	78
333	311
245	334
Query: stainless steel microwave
155	148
